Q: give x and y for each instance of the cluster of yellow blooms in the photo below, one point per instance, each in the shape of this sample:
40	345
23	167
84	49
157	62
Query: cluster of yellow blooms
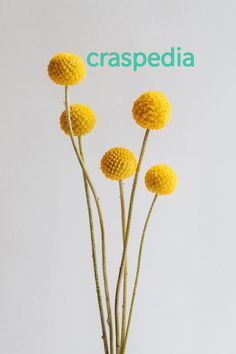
118	163
151	111
82	117
66	69
161	179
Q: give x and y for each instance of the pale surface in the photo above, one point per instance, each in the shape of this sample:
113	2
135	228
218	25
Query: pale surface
187	300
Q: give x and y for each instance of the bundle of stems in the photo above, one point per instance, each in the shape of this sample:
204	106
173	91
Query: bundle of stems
121	340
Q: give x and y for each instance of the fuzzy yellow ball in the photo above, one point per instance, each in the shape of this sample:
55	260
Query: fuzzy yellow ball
82	118
152	110
66	69
161	179
118	163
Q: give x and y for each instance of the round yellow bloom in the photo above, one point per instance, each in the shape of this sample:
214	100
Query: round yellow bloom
82	118
66	69
118	163
152	110
161	179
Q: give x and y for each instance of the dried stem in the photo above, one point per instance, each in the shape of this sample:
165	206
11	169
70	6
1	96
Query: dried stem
123	346
96	199
94	254
123	260
125	276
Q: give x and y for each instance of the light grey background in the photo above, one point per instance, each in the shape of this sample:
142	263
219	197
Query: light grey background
186	303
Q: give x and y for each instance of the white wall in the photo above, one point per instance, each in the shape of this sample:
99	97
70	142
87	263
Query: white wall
186	302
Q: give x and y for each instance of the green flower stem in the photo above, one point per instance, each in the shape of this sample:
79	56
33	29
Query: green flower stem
96	199
94	254
130	212
123	346
125	276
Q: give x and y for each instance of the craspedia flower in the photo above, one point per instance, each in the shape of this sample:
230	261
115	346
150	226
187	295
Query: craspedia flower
82	118
161	179
118	163
66	69
152	110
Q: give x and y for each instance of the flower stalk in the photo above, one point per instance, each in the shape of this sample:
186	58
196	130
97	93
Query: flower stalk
123	345
127	233
94	253
125	275
96	199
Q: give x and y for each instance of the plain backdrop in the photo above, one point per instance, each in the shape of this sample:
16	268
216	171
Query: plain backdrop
186	302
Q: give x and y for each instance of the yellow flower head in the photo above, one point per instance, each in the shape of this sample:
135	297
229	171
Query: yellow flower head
152	110
66	69
118	163
82	118
161	179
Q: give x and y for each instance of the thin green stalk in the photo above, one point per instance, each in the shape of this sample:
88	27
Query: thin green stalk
123	346
96	199
94	254
125	276
123	260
